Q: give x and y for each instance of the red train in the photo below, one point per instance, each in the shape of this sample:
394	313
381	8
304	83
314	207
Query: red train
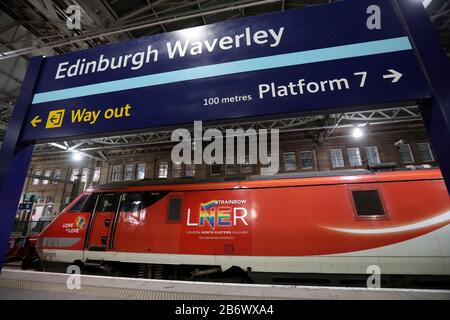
335	223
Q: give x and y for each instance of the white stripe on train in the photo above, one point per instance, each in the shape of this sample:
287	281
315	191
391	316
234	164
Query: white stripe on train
445	217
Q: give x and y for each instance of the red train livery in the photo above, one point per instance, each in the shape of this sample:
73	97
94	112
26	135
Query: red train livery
336	223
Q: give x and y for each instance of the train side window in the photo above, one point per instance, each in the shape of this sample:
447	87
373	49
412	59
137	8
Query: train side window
174	210
368	203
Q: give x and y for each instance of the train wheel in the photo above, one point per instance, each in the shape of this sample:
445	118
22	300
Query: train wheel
149	271
144	271
159	271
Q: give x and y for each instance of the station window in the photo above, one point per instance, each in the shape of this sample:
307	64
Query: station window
426	155
56	175
74	175
96	176
140	171
189	170
163	169
84	175
354	157
40	199
36	180
176	170
115	174
373	156
246	167
405	152
67	200
47	173
174	210
290	162
306	160
337	158
230	169
216	169
128	172
368	203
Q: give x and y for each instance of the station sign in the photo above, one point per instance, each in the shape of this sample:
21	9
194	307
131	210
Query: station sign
313	59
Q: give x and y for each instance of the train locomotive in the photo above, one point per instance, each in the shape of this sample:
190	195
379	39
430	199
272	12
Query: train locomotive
324	223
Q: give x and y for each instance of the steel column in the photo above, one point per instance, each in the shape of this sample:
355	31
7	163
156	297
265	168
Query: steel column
15	157
436	66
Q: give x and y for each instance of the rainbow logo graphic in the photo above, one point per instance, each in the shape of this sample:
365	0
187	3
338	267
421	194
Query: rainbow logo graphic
209	211
209	204
79	221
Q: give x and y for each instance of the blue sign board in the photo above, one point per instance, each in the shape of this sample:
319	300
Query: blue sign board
322	57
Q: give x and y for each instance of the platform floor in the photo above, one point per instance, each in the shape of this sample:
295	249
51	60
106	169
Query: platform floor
18	284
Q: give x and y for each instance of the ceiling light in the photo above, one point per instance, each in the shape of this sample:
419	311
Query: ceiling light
77	156
357	133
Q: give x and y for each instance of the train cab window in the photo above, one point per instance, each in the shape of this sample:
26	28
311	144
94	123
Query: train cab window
136	201
174	210
368	203
85	204
107	203
132	202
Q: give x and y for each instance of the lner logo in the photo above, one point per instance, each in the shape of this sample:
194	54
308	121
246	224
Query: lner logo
213	214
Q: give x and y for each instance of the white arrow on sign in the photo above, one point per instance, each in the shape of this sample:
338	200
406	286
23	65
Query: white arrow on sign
395	75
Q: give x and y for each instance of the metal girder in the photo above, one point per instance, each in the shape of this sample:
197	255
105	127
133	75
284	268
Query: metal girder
51	179
384	114
73	148
138	12
127	28
324	125
439	12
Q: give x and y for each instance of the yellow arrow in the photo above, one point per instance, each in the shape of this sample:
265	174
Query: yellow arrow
35	121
